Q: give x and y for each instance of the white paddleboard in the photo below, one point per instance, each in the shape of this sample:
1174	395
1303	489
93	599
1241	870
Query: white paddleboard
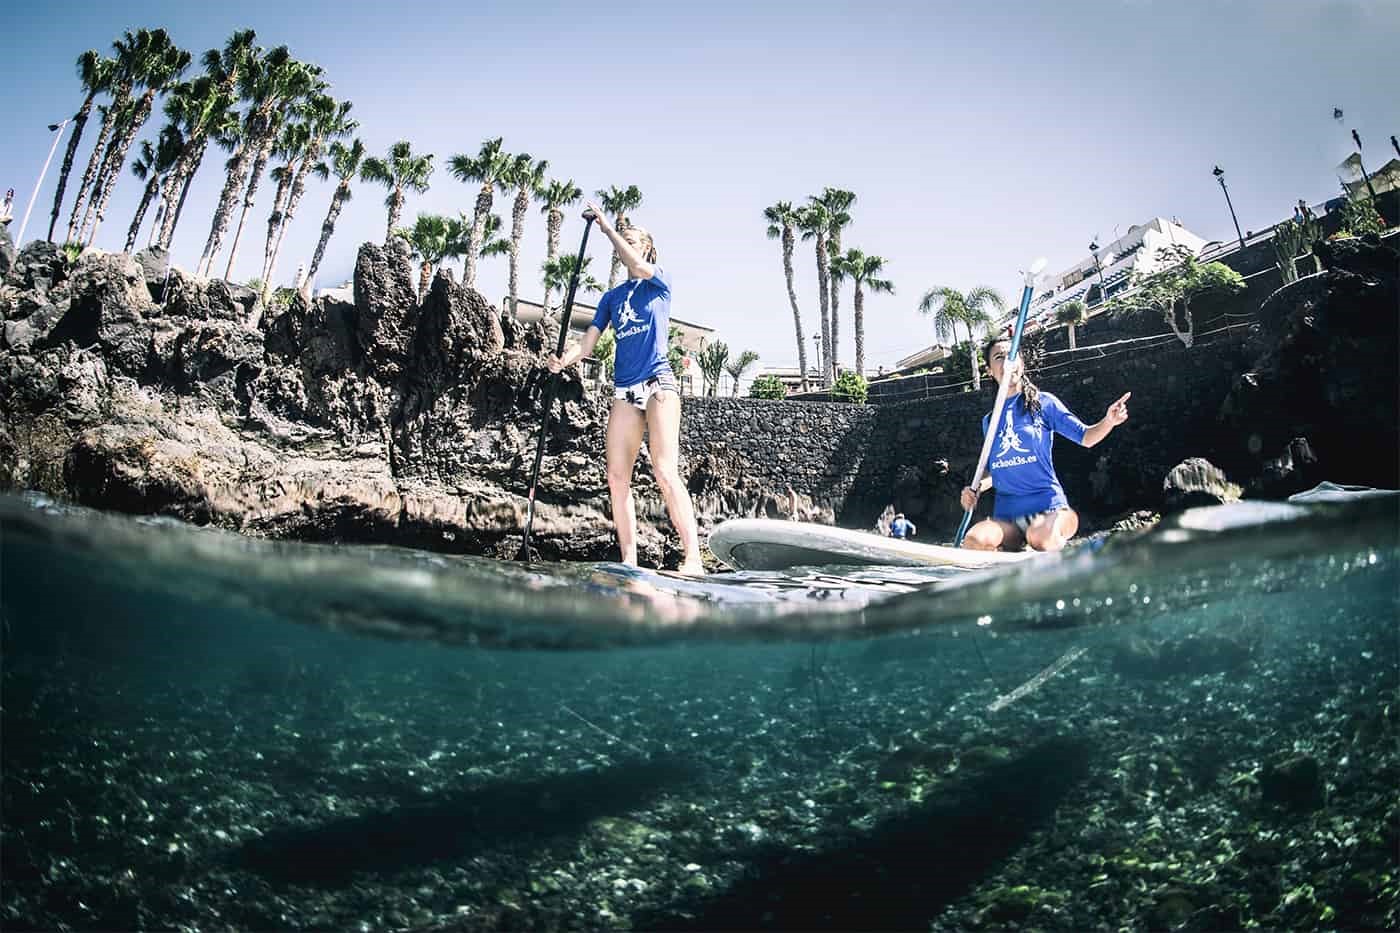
772	544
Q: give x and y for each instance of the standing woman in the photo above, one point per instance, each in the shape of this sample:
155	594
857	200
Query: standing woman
1031	507
645	395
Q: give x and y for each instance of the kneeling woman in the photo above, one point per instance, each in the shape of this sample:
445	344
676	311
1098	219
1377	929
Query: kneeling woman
645	397
1031	507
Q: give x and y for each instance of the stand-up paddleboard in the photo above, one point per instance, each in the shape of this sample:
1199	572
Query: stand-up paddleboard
771	544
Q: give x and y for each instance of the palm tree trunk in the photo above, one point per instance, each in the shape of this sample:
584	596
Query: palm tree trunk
342	190
98	153
183	178
425	276
117	160
860	330
834	249
152	186
79	122
223	213
395	209
823	280
483	208
1071	337
259	167
517	231
788	240
274	225
972	353
554	223
160	215
290	208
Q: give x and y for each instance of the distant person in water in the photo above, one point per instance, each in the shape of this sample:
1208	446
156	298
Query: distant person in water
902	527
1031	507
645	395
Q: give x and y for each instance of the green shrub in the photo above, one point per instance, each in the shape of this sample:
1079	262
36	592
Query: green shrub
767	386
1359	217
850	387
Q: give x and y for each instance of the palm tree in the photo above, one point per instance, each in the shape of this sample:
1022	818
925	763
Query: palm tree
556	195
326	120
712	361
814	220
736	367
490	167
348	163
782	219
270	83
837	203
300	86
864	271
527	177
617	202
160	68
206	109
1071	314
401	171
431	240
129	61
560	270
153	165
951	307
95	73
492	243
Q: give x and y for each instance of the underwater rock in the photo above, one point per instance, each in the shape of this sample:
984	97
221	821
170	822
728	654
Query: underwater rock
1192	656
1294	783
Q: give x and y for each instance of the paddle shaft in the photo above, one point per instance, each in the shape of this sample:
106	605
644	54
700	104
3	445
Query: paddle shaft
996	406
552	389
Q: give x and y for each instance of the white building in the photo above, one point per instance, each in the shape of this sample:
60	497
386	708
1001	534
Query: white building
1134	253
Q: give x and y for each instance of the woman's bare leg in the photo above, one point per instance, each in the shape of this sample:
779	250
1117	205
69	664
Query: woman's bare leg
625	424
664	445
992	533
1050	532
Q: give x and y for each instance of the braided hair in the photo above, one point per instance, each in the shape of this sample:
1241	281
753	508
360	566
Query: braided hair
1030	395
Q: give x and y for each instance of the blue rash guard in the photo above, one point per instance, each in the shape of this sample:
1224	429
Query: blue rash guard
639	311
1021	465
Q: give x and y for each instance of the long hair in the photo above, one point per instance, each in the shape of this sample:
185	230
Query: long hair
1030	395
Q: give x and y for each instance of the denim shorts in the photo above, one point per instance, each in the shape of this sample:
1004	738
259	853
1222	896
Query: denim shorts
639	394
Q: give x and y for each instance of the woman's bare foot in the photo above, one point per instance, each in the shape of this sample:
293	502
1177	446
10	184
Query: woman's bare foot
692	568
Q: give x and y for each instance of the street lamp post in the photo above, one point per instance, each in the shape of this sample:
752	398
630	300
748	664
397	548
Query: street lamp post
1219	174
1364	177
821	367
1103	287
57	130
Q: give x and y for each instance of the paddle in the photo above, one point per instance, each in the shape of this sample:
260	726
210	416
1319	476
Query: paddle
553	387
1001	389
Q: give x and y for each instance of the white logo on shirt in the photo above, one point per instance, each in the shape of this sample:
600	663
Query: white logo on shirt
1009	440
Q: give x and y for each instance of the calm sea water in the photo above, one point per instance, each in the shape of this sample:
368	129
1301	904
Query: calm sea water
1192	726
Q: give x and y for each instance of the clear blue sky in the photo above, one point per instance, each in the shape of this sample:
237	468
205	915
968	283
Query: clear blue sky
976	135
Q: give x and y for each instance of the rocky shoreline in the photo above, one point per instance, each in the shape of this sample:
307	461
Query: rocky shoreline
129	385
